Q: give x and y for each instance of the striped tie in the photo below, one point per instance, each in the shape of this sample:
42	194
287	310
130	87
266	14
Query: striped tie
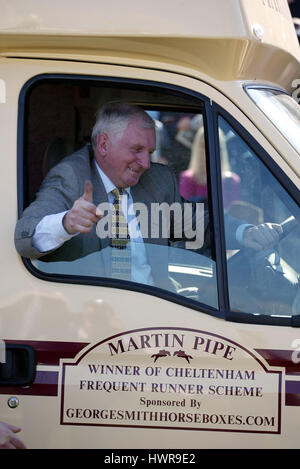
120	240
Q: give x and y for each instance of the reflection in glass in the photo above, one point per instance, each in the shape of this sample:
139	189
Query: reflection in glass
177	270
262	282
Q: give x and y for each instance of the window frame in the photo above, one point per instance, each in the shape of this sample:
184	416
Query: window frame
211	111
204	103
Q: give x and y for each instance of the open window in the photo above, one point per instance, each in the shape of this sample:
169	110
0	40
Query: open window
59	117
59	114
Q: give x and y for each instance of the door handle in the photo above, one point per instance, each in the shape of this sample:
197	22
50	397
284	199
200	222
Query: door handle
18	365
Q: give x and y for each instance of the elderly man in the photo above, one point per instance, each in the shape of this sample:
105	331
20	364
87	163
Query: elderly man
61	223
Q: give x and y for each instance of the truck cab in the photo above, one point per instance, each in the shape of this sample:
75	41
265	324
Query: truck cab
208	355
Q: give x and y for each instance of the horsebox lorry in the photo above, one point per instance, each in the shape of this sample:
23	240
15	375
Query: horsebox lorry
208	355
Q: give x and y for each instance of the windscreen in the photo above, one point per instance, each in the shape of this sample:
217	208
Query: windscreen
282	110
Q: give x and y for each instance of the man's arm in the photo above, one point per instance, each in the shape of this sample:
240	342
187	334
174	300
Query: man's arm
50	233
54	230
56	195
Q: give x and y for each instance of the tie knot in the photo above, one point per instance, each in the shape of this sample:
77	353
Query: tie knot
117	192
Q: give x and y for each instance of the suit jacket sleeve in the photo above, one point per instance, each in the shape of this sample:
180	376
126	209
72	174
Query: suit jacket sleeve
58	192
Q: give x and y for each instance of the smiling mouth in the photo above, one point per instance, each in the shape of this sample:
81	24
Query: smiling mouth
133	170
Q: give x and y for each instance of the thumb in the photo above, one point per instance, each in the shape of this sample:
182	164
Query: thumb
88	191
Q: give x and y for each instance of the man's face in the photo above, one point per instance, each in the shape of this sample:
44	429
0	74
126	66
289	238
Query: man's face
125	157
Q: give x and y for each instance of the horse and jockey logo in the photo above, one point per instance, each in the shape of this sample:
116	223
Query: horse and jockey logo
167	353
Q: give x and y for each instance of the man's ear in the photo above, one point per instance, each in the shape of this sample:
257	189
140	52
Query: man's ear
102	144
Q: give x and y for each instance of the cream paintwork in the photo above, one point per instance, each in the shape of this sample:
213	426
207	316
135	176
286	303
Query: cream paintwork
220	59
32	309
216	19
142	20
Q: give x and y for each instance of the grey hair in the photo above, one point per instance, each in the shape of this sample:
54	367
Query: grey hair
115	117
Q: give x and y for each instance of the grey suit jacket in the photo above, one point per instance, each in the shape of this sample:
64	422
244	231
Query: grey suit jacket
65	183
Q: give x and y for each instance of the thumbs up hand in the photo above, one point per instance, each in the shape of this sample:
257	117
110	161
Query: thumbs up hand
82	216
88	191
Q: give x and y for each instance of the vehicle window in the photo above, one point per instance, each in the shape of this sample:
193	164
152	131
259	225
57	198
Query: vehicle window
266	281
281	109
59	119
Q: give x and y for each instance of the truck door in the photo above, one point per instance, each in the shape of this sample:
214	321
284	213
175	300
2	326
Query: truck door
203	355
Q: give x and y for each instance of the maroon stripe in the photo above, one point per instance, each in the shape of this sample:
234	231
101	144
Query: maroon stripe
45	384
282	358
49	353
292	393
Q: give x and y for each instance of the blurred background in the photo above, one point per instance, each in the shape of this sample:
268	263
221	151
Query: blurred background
295	11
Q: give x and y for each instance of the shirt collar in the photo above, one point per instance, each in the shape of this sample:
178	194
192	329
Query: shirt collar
108	184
